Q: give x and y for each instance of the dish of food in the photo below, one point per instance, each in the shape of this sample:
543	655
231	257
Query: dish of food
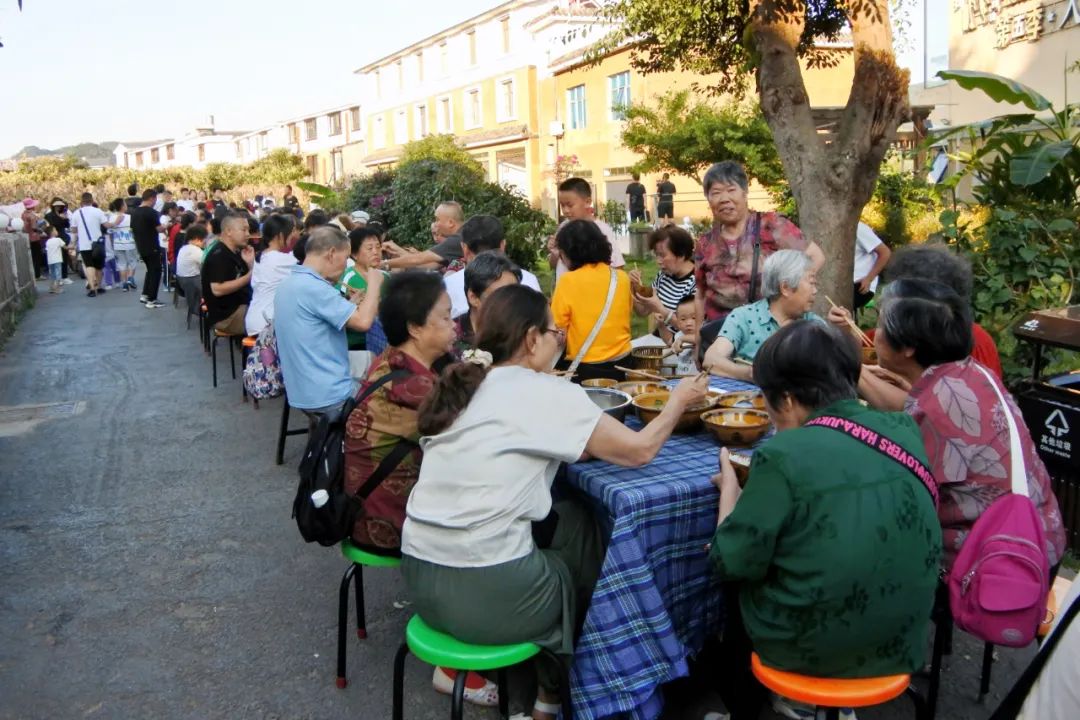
637	387
736	427
869	355
648	358
599	383
748	400
649	405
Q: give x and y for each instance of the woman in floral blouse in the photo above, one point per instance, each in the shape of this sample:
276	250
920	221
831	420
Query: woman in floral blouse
724	256
924	338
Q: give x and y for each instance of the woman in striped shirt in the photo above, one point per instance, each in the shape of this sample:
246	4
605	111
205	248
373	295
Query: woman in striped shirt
673	248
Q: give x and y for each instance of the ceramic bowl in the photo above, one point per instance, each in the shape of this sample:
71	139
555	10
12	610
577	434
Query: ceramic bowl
750	400
649	405
599	383
612	402
735	427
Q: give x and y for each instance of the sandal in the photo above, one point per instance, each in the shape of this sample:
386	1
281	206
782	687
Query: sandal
478	689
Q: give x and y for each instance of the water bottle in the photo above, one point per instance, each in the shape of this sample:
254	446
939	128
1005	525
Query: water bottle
320	498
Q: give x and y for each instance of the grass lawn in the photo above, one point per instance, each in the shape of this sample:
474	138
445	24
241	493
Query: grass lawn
638	325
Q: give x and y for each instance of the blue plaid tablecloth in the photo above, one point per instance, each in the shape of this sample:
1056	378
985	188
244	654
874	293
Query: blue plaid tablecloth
656	599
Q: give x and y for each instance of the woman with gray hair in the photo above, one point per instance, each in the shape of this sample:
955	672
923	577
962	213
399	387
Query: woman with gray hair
789	285
729	257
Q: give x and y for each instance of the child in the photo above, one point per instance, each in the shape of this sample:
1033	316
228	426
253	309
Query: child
686	322
54	256
575	203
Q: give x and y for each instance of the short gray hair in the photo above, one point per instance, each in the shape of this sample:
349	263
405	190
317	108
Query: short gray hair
486	268
727	172
325	238
783	267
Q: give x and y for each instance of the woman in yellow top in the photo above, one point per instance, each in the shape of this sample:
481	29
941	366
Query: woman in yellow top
580	298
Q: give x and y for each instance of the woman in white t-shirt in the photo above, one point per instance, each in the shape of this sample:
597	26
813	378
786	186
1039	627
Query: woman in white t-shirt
272	265
496	428
123	243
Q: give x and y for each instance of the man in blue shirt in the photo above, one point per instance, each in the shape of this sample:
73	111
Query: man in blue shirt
310	319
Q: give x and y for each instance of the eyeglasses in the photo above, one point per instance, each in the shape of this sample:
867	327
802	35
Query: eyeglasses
560	334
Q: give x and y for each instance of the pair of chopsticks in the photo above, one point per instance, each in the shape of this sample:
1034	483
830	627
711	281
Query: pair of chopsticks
642	373
855	328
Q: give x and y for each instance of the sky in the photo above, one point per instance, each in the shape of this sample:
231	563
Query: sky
127	70
99	70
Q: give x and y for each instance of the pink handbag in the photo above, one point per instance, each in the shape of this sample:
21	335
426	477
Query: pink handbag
999	582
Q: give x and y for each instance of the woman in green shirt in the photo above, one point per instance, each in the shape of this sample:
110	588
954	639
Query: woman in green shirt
830	553
365	245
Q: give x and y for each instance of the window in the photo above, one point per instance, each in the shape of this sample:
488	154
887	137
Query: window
378	84
444	58
335	123
354	119
420	66
472	46
138	159
239	153
310	130
380	132
575	107
260	142
155	155
202	153
473	109
401	128
294	133
312	165
444	118
400	75
338	166
619	93
505	108
170	152
420	123
505	27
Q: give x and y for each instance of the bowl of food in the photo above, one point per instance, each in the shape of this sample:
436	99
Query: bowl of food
613	402
736	427
599	383
634	388
649	405
648	358
747	400
869	355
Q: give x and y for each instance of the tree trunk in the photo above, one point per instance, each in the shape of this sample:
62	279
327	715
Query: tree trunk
831	183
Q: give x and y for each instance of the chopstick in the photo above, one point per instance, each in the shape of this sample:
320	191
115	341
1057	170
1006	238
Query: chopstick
560	373
851	323
642	373
742	361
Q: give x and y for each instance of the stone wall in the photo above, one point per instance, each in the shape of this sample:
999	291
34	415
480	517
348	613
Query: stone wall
17	291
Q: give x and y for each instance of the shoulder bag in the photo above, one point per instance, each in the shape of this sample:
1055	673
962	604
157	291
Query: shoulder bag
97	245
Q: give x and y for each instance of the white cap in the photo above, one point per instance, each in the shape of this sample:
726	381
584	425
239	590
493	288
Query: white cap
360	216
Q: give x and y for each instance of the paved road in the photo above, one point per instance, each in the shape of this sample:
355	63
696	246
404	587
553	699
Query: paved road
148	564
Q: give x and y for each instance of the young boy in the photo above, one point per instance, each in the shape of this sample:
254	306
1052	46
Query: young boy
575	203
54	256
686	322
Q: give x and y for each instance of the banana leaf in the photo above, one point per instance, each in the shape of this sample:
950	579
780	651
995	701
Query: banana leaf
1036	163
997	88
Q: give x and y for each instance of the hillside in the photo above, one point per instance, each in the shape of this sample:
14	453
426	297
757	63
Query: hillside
82	150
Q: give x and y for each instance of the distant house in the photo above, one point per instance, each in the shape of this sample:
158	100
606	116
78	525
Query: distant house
98	163
197	148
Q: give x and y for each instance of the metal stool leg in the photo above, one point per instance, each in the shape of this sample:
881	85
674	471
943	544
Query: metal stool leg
232	361
342	620
942	631
504	699
213	357
457	700
987	669
918	701
361	610
284	430
399	680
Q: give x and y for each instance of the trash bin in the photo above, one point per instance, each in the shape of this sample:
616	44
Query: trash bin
1051	409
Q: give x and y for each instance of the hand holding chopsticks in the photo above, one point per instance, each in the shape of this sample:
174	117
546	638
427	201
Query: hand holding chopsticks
863	337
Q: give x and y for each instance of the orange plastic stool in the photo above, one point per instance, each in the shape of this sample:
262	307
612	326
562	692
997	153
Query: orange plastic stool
831	694
246	346
1058	590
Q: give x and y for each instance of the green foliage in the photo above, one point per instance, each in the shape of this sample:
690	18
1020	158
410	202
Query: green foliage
404	199
613	213
998	88
437	147
327	198
684	135
904	209
709	36
1024	258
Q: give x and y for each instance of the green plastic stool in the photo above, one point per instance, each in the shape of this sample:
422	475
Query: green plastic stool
357	560
442	650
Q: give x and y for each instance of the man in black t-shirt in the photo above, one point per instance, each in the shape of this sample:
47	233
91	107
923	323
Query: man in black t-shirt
145	226
226	276
635	193
446	255
665	203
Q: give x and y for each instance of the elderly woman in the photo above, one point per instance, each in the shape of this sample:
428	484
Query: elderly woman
924	338
830	552
789	285
473	564
673	249
487	272
729	257
592	295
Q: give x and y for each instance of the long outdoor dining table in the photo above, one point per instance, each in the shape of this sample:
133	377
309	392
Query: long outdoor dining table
656	600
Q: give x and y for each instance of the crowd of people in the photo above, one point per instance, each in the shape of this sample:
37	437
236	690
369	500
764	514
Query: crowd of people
829	555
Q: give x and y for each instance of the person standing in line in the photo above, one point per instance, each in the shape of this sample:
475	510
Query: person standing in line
132	200
30	227
159	203
635	199
665	200
871	257
185	202
88	225
58	218
123	243
145	226
54	257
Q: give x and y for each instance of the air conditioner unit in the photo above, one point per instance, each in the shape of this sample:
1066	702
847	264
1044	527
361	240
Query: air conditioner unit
556	128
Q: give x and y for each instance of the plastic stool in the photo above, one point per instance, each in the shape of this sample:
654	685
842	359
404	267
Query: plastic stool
831	694
357	560
442	650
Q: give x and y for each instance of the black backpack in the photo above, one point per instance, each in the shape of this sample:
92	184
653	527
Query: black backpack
323	469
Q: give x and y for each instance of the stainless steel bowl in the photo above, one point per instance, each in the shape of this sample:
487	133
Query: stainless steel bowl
613	402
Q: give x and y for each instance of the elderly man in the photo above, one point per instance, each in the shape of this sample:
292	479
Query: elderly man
310	319
480	233
226	276
446	255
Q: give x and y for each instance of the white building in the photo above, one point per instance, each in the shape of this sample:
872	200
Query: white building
197	148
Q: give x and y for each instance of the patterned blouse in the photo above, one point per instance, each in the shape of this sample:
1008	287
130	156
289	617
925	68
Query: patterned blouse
723	267
373	429
967	440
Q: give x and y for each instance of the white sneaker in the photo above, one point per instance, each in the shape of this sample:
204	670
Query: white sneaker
66	281
801	711
152	304
143	299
